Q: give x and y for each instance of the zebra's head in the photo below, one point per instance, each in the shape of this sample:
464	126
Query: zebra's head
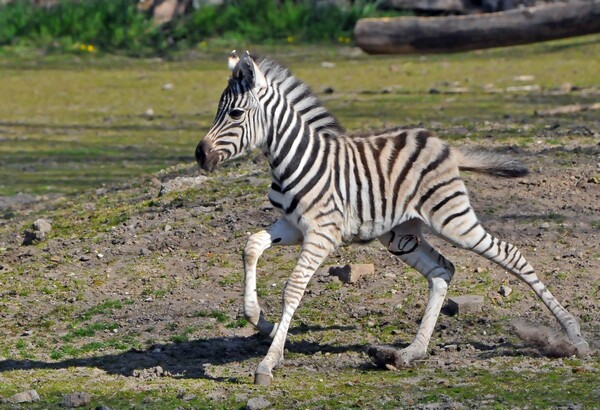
239	123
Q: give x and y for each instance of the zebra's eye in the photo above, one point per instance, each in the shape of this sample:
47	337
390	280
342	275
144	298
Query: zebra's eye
236	113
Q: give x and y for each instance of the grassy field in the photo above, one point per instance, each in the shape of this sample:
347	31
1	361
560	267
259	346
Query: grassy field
68	124
167	289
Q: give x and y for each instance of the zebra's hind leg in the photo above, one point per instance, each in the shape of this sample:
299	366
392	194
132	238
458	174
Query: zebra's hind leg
463	229
407	243
280	233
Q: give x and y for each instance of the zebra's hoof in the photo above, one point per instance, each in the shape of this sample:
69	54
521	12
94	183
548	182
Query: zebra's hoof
262	379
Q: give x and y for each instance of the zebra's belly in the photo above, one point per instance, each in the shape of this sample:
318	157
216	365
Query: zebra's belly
363	232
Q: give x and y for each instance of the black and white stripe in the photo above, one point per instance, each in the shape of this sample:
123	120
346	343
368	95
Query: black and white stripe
335	188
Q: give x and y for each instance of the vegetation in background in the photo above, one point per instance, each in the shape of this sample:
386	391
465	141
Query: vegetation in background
117	25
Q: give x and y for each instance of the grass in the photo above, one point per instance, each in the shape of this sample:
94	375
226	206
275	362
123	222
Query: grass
95	132
70	126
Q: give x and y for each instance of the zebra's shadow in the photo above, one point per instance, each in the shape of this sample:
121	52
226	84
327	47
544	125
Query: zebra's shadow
191	359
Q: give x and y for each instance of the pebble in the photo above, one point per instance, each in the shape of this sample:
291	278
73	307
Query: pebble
353	272
180	184
465	304
167	87
257	403
149	114
25	397
77	399
145	252
545	225
42	225
168	228
504	291
38	231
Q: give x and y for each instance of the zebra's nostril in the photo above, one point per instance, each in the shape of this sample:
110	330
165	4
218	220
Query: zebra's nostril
202	151
206	156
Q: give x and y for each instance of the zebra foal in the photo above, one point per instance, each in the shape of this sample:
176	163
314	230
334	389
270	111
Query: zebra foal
333	188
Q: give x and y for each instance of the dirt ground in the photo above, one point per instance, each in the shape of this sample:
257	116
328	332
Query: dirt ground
174	261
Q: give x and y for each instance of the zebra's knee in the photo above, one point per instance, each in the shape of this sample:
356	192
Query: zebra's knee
400	245
255	245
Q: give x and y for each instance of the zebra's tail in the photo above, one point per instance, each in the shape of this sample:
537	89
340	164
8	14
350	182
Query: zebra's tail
490	163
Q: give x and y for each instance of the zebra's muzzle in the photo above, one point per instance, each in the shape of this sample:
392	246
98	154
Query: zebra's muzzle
206	157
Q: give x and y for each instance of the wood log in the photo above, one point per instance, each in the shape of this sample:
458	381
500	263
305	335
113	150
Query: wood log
403	35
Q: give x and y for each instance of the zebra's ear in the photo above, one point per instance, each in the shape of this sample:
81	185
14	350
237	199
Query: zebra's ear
247	70
233	60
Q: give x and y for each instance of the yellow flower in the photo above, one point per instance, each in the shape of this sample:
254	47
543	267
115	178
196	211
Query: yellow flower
91	48
290	39
203	43
82	47
340	39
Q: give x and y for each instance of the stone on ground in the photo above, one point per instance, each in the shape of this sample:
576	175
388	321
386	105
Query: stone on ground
465	304
257	403
77	399
27	396
353	272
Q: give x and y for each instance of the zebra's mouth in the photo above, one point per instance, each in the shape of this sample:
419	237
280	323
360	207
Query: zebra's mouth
206	157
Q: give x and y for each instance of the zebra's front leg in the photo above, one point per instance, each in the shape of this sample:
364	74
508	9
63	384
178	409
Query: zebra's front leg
280	233
408	244
314	251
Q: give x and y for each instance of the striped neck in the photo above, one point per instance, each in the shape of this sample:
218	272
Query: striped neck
294	119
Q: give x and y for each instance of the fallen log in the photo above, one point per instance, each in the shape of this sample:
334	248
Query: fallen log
404	35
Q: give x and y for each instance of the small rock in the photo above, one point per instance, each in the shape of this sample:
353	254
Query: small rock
84	258
504	291
352	273
77	399
25	397
328	90
181	184
145	252
42	225
167	87
327	64
545	225
528	88
37	233
524	78
103	407
168	228
566	88
151	373
149	114
257	403
451	348
465	304
99	255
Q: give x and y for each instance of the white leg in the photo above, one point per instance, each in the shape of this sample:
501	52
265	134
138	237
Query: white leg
280	233
408	244
314	251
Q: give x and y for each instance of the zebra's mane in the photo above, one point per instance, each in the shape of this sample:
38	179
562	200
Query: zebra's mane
277	73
